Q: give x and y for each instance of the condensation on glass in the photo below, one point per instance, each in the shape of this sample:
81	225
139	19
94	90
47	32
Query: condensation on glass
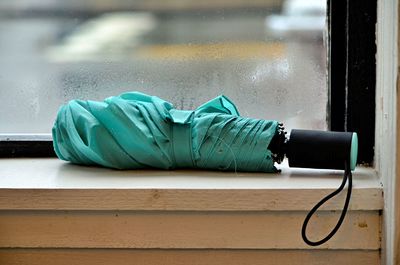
268	56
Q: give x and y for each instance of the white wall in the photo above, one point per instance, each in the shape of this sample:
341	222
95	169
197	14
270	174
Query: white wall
385	144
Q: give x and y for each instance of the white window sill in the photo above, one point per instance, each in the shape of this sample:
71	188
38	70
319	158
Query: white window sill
51	184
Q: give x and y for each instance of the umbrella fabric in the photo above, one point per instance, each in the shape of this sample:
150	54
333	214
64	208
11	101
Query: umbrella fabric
136	131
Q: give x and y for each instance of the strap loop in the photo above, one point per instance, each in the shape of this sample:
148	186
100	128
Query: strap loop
347	176
182	137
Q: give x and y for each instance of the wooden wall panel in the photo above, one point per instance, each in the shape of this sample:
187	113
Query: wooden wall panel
184	257
187	199
191	230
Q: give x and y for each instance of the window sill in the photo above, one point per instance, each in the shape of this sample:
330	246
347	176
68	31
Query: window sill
51	184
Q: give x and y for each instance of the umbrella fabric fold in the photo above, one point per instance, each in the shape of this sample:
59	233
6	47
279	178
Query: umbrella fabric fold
135	131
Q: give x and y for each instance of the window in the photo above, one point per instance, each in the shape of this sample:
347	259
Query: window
269	57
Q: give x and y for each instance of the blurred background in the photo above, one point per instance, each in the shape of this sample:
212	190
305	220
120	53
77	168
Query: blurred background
268	56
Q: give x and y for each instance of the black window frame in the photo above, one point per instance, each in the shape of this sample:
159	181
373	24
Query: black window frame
351	81
352	71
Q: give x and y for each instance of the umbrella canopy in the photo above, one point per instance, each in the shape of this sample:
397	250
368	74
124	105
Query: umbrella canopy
135	131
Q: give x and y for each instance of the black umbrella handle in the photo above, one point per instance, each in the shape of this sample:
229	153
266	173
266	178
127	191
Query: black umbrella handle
347	177
321	149
318	149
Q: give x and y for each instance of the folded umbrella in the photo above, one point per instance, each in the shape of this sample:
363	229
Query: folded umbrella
135	130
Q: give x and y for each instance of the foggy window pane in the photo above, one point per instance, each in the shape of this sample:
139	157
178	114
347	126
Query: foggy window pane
268	56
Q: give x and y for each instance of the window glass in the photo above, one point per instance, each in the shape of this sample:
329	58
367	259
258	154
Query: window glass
268	56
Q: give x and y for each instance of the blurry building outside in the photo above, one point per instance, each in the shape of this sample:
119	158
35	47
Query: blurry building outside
268	56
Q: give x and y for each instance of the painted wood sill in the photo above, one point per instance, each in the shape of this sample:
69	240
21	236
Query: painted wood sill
51	184
54	212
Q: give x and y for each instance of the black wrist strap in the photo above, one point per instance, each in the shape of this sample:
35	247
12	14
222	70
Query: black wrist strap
347	176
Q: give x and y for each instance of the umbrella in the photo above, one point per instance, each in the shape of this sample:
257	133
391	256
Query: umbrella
135	130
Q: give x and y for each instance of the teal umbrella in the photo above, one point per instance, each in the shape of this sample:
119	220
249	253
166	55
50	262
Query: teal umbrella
135	130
